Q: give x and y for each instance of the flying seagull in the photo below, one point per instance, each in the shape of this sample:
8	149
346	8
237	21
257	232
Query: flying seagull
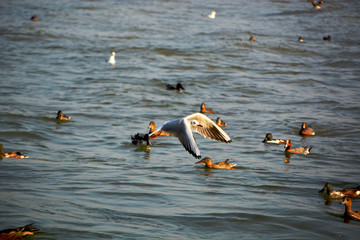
182	129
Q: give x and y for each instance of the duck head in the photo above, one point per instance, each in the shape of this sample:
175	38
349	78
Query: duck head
327	188
268	137
347	202
152	127
179	86
59	114
288	144
206	160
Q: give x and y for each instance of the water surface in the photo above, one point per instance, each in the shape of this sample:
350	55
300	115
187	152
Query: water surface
84	180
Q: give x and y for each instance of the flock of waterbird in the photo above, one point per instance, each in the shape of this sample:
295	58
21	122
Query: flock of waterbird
183	129
59	117
305	130
346	195
212	15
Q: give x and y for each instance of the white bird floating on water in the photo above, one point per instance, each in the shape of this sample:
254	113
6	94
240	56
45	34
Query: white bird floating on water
112	59
182	129
212	15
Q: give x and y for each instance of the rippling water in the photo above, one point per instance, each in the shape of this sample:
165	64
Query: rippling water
84	180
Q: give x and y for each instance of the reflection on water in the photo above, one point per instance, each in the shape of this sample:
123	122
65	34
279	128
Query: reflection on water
287	157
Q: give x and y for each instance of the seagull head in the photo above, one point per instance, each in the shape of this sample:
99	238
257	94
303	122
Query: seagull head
194	124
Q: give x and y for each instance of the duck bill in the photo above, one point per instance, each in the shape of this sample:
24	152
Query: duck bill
201	161
322	190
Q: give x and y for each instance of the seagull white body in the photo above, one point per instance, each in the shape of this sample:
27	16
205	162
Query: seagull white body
112	59
182	129
212	15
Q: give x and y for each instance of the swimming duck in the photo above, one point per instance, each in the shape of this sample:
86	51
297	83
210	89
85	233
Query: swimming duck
346	192
269	139
144	138
300	39
18	233
61	116
301	150
142	141
318	4
11	154
203	109
14	155
327	38
212	15
306	130
137	139
348	212
220	122
34	18
178	87
209	164
252	39
111	59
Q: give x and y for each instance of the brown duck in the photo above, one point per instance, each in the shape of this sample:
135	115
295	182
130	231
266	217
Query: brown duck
220	122
348	212
306	130
203	109
11	154
61	116
18	233
300	150
209	164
